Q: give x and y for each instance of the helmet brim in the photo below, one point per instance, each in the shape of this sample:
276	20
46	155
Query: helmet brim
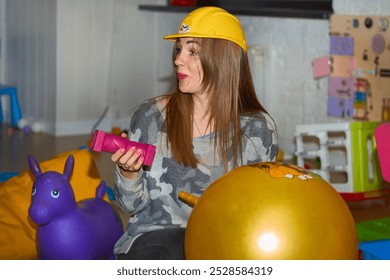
174	37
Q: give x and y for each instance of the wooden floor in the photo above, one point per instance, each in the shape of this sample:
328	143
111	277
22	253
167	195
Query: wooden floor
15	146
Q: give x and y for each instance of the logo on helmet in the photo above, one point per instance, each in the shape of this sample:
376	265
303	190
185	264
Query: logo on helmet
184	29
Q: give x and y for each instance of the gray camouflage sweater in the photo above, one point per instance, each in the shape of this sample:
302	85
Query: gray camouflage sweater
152	199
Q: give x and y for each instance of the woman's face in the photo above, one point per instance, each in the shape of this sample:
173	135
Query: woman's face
188	67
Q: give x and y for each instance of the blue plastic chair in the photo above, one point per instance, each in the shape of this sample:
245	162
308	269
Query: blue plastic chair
16	115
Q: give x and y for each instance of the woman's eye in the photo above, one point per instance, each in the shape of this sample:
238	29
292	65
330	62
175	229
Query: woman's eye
193	52
55	193
178	50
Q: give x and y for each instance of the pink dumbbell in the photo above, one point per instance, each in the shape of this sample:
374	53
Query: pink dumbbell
105	142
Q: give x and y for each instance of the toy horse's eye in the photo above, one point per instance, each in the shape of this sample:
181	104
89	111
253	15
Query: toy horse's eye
34	190
55	193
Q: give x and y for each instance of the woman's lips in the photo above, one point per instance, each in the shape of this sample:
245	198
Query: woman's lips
181	76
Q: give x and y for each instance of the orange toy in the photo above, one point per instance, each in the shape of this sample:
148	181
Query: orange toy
270	210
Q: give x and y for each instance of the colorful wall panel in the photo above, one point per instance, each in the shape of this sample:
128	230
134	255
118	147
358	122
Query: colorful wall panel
359	62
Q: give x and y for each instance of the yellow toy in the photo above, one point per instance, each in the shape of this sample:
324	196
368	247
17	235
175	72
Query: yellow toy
270	210
280	155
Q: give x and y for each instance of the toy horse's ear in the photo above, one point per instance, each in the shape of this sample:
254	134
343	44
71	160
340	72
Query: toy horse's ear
34	166
68	167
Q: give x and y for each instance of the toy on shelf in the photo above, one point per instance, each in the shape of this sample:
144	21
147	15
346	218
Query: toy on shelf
105	142
269	210
346	153
67	230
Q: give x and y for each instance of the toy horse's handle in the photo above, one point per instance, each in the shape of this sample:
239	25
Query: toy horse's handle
34	166
190	199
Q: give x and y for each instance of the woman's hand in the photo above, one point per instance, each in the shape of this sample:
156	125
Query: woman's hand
129	162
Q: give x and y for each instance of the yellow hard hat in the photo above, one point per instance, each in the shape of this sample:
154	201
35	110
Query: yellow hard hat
211	22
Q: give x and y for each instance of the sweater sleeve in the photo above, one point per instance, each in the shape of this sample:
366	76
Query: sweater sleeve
132	194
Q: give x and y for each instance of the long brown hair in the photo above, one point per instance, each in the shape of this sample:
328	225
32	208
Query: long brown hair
232	94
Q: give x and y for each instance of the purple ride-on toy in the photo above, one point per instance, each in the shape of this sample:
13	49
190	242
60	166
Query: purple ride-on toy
67	230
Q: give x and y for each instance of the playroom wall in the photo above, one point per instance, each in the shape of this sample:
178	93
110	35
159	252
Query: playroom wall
30	57
2	35
71	60
61	57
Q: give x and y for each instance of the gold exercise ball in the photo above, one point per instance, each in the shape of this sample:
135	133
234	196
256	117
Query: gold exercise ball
270	210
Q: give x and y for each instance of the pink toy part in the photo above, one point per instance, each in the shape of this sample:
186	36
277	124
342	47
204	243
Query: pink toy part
104	142
321	67
382	139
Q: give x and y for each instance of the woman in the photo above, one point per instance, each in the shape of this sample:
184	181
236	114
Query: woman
211	124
